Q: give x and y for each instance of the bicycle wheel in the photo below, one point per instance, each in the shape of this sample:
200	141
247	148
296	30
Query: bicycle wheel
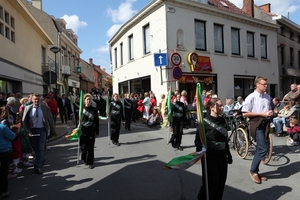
241	144
268	156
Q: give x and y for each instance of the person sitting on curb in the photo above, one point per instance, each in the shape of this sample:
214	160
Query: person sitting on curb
294	132
280	120
153	119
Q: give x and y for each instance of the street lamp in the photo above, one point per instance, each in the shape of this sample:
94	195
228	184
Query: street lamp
55	50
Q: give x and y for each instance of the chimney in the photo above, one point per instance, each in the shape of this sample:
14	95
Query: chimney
248	7
37	4
91	61
266	7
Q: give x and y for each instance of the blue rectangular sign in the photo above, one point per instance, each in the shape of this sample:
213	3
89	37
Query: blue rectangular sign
160	59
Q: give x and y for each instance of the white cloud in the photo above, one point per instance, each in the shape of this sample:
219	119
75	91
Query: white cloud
277	7
123	13
113	29
73	22
102	49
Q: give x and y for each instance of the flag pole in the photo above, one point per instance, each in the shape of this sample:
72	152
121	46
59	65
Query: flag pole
202	133
79	121
169	112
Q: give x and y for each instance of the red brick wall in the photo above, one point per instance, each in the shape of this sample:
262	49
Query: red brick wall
248	7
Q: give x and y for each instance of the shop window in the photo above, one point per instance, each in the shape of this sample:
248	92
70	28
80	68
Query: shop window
243	86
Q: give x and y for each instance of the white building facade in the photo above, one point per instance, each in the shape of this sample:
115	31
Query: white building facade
221	49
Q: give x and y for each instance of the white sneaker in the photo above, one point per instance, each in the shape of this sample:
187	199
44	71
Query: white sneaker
291	141
17	171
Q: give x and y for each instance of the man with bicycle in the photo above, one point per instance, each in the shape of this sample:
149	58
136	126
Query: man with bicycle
257	107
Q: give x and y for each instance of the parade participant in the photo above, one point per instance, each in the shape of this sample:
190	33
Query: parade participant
116	115
128	111
76	110
178	112
37	121
257	107
218	155
89	130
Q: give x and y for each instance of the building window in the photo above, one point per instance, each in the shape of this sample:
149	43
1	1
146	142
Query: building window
298	38
263	46
12	36
250	44
121	53
218	38
116	58
7	33
12	22
291	34
298	59
291	56
235	41
281	30
146	32
6	16
200	35
130	41
1	12
282	55
43	54
62	53
1	29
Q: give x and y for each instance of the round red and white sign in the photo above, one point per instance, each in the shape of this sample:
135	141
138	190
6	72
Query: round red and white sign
175	59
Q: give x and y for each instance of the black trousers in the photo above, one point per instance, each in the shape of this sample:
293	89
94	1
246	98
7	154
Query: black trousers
63	114
115	127
217	175
177	125
4	166
128	115
87	143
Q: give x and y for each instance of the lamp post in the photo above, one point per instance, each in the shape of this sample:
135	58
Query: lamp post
55	50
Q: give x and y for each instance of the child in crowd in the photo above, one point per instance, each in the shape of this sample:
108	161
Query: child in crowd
25	146
16	153
294	132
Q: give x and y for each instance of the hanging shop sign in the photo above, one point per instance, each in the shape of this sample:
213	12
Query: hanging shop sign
199	63
197	79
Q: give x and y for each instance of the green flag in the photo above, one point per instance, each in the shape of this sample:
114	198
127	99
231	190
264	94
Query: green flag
76	132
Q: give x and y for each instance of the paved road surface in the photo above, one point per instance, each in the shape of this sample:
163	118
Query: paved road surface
134	171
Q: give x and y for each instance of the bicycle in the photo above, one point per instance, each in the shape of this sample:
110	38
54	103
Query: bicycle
243	140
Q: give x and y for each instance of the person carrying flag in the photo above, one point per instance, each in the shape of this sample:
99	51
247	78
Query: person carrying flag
89	130
218	155
178	112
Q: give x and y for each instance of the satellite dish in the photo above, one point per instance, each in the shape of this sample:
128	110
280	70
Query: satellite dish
46	77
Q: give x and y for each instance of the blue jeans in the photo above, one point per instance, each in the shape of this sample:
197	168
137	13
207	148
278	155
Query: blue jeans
54	117
279	122
38	146
261	150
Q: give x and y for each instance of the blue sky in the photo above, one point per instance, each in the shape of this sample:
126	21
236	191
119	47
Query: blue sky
95	21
